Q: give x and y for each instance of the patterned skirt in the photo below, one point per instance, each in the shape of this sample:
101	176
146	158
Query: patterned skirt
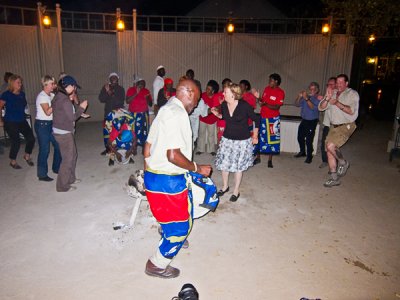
234	155
141	126
269	140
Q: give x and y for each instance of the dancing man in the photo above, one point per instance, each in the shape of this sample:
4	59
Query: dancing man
342	105
168	154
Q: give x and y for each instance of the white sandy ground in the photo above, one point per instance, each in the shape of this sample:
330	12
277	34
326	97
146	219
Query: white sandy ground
287	237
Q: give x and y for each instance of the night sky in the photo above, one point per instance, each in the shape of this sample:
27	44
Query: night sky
292	8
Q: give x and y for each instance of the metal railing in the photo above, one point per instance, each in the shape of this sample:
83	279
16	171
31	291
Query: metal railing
105	22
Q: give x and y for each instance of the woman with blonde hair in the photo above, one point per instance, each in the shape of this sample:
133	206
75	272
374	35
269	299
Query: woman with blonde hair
44	128
15	122
235	152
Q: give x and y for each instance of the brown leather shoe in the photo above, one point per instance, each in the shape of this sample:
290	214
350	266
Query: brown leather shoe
168	272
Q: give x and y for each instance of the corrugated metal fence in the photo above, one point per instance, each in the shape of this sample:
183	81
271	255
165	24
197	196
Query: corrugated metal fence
90	57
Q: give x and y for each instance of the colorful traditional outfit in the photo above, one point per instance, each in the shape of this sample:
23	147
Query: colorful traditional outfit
269	134
140	111
167	184
116	122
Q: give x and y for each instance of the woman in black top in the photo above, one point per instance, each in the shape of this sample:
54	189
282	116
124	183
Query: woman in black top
235	152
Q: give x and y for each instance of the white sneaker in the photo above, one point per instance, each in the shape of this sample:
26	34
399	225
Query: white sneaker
72	188
77	181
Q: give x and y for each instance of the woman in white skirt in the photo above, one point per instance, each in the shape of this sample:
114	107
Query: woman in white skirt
235	152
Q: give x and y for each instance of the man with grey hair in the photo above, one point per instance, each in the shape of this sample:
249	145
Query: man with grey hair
308	101
342	104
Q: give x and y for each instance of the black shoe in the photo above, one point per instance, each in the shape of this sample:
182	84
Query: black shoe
47	178
234	198
308	160
300	154
221	192
213	153
110	162
270	164
256	161
104	152
131	161
198	153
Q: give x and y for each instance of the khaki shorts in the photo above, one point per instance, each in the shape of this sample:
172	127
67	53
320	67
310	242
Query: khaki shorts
340	134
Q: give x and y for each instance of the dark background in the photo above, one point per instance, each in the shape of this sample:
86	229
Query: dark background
291	8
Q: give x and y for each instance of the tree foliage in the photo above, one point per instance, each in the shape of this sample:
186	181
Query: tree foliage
365	17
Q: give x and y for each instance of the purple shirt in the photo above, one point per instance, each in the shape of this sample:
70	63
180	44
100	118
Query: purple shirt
308	113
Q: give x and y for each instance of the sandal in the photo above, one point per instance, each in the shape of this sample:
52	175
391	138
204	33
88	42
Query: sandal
15	166
29	162
221	192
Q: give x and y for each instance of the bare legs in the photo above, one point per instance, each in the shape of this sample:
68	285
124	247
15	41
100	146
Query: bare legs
238	179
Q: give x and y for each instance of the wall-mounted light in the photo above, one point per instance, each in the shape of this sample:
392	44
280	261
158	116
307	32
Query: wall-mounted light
46	21
120	25
230	28
325	29
371	38
371	60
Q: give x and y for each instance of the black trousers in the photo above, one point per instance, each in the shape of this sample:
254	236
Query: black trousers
325	132
305	136
13	130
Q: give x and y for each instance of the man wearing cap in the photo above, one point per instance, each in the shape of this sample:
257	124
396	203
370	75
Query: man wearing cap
65	113
168	154
166	92
158	84
113	96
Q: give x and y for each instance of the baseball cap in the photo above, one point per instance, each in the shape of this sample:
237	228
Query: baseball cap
160	67
69	80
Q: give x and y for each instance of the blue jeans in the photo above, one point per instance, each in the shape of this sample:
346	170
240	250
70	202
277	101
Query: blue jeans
45	136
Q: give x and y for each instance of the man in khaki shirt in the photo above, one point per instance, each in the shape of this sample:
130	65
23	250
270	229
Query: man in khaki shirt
342	105
168	158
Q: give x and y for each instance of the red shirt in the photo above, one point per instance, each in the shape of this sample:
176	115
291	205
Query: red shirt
250	99
220	97
139	103
273	96
211	102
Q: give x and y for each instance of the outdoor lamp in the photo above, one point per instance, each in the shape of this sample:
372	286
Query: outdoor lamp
325	29
371	38
230	28
46	21
371	60
120	25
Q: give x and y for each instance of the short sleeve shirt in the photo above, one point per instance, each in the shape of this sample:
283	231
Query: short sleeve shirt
139	103
43	98
272	96
169	130
350	98
15	106
211	102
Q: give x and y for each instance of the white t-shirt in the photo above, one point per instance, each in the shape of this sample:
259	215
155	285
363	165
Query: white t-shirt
43	98
158	84
169	130
200	110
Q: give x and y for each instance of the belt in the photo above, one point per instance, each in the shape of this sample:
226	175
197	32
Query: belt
338	125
